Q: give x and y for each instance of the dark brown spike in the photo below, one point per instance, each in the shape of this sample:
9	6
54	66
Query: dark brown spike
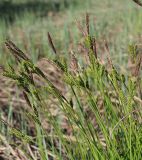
87	24
15	50
51	43
138	2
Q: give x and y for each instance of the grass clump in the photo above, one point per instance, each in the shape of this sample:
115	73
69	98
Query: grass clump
102	107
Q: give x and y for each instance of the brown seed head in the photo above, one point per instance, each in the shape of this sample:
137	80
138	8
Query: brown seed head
15	50
51	43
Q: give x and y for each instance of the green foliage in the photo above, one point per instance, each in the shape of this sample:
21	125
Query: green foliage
118	127
118	133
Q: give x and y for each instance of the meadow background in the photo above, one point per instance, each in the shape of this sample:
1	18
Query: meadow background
27	24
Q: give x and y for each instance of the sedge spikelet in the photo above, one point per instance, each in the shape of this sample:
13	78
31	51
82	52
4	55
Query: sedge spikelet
87	24
51	43
16	51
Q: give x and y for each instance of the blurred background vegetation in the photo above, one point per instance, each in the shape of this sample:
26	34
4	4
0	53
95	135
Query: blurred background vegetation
27	23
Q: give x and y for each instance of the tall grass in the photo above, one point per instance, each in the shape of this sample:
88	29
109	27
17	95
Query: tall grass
106	128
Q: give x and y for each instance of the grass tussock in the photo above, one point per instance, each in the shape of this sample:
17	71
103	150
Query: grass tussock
101	106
